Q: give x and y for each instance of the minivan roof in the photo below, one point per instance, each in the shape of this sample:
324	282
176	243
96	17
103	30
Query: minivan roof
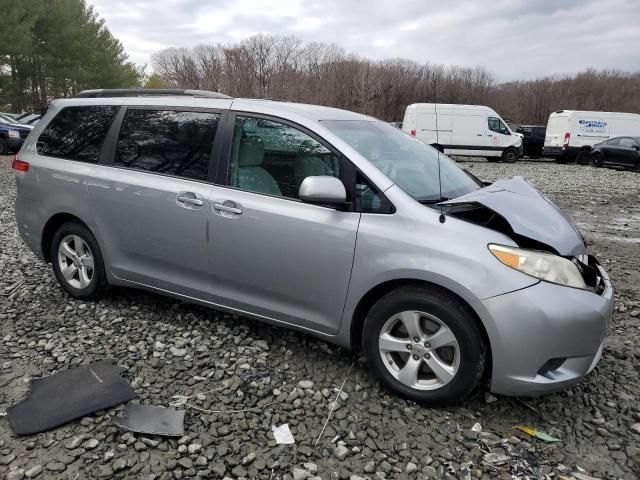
271	107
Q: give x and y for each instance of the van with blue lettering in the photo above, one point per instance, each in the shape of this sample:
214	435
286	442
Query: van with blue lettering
571	133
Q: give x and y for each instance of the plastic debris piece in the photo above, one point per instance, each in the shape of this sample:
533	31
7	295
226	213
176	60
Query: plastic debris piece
477	428
151	419
545	437
282	434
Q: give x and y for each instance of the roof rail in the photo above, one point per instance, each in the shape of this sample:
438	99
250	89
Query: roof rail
138	92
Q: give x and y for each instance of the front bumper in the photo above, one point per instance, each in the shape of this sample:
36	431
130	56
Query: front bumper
529	327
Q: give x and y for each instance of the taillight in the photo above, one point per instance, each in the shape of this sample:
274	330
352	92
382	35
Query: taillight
567	137
413	133
19	165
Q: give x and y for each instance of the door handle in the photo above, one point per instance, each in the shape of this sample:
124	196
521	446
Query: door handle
478	134
190	198
227	208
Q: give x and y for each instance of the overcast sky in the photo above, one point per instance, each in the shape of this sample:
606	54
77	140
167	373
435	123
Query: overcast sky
516	39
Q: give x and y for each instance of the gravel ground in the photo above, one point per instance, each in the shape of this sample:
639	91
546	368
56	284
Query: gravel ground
171	348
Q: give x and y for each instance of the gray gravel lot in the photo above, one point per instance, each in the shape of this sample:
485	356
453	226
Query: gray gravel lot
171	348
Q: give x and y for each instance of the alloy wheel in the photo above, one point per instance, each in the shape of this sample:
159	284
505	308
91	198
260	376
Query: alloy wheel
76	262
419	350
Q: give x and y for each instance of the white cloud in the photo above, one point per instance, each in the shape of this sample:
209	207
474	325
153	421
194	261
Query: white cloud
513	38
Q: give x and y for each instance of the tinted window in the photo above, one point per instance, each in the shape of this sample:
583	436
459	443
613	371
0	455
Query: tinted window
613	141
76	133
274	158
166	141
628	142
497	125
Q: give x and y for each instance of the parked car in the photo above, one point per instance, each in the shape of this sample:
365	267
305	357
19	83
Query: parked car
617	151
468	130
30	119
7	114
571	133
321	220
532	139
12	134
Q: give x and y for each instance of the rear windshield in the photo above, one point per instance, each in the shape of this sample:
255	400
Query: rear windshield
409	163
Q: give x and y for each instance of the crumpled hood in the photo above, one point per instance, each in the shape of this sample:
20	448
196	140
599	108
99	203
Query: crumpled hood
529	214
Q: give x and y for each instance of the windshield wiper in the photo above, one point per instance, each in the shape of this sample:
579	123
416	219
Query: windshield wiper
432	201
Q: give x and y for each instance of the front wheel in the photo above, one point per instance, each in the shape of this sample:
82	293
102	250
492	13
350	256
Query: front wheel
425	345
77	261
510	155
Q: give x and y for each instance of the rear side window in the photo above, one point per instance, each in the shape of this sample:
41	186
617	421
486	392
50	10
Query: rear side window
170	142
76	133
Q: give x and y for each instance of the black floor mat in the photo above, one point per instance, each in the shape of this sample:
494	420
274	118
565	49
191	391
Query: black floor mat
151	420
67	395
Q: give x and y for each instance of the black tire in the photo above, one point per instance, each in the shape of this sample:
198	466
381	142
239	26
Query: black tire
4	147
596	159
452	313
583	157
98	281
510	155
492	159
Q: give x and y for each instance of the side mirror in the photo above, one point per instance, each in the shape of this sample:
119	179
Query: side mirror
323	190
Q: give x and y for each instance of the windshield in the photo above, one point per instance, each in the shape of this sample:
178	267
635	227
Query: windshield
409	163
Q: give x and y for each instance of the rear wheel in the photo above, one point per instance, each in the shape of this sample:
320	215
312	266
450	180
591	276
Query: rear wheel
423	344
77	261
510	155
596	159
583	158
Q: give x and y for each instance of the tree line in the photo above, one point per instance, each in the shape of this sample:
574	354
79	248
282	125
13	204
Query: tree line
55	48
284	67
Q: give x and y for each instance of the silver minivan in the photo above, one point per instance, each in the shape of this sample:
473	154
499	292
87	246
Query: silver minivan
322	220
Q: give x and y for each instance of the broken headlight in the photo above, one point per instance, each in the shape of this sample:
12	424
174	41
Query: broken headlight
545	266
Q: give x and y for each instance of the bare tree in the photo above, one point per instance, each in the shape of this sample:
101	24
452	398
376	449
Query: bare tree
283	67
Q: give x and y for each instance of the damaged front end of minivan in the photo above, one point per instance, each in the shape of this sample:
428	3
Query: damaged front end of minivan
517	209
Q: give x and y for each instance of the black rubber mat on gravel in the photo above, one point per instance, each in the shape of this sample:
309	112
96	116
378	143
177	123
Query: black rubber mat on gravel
68	395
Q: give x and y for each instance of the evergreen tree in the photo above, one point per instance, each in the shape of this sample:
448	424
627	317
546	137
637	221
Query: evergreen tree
55	48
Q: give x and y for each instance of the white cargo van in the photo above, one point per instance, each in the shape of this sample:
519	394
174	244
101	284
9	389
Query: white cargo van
468	130
571	133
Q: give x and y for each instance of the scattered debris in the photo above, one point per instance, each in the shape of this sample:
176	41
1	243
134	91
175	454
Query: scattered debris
151	419
477	428
333	406
496	458
339	436
11	288
282	434
489	398
537	433
3	414
68	395
530	407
